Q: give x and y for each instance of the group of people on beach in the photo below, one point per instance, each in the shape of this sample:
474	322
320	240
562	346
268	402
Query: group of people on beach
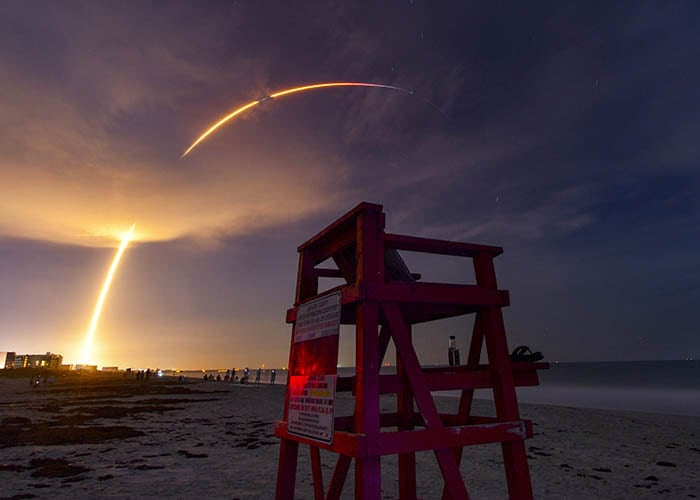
231	376
146	374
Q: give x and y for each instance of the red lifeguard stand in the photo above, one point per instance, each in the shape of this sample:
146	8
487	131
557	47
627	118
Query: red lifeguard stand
383	300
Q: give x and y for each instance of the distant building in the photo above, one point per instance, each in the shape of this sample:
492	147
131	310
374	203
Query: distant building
110	368
87	368
48	360
7	359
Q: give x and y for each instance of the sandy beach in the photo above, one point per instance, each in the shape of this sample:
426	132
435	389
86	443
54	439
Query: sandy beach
122	438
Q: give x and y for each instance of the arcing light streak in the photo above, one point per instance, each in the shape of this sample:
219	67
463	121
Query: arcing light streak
103	294
283	93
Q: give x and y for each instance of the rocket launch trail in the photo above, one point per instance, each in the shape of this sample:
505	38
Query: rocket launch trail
281	93
103	295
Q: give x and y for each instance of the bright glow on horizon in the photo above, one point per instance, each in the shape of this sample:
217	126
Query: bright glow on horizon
283	93
103	295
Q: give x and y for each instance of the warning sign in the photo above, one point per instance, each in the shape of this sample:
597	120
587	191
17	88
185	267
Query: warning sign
313	369
318	318
311	406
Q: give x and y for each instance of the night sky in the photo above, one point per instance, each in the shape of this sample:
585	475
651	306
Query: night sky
566	133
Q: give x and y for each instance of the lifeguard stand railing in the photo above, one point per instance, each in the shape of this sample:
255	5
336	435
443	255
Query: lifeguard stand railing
383	300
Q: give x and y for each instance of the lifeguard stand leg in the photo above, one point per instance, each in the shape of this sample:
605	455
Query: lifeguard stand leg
316	472
514	455
367	469
287	469
369	256
405	410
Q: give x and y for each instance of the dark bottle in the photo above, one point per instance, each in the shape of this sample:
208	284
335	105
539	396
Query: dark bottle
453	352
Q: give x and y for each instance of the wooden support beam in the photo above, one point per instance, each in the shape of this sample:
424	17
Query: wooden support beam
449	380
448	466
428	439
323	272
335	487
406	419
505	399
347	220
307	282
437	293
369	271
440	247
348	443
287	470
316	472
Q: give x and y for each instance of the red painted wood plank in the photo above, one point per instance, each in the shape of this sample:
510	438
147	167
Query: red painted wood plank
516	367
327	247
348	218
316	472
406	422
437	293
369	262
440	247
505	398
468	435
346	443
414	374
328	273
340	473
307	281
287	470
449	380
517	471
346	423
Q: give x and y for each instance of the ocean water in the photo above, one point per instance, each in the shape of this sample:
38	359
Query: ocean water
670	387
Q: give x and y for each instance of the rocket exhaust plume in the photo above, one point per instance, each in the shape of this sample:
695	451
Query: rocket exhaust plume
103	294
281	93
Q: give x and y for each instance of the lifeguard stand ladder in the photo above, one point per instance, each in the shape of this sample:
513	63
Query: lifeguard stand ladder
383	300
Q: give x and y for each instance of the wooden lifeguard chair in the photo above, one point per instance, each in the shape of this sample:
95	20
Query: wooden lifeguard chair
383	300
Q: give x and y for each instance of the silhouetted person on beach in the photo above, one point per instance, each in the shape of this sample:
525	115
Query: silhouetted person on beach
257	375
233	375
273	376
246	374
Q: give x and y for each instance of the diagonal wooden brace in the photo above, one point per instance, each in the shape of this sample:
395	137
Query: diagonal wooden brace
446	459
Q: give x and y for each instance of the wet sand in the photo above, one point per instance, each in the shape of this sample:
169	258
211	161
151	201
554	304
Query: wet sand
116	438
